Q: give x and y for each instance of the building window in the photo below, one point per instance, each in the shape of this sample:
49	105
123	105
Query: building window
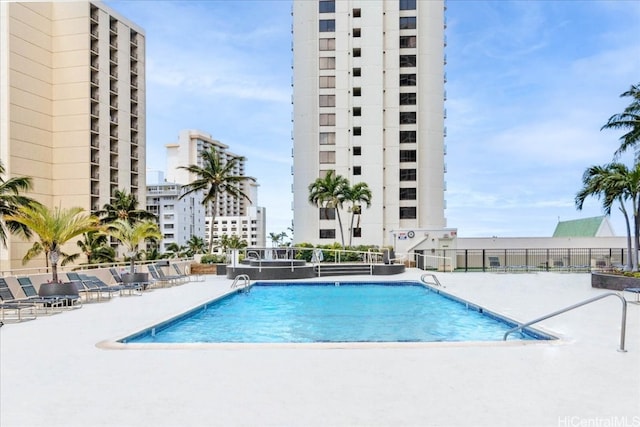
407	117
328	63
357	111
408	23
328	119
407	41
408	136
357	72
327	138
407	60
327	100
408	212
356	32
407	99
327	213
328	157
407	174
327	81
357	91
327	233
357	131
357	151
357	232
407	194
357	52
327	6
357	13
407	4
327	44
327	25
406	79
357	170
407	155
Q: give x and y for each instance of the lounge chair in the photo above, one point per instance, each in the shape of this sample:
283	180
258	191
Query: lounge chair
97	285
156	279
69	301
133	288
9	305
184	276
173	278
494	264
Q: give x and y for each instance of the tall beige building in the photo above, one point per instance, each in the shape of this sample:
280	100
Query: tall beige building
368	100
72	105
233	215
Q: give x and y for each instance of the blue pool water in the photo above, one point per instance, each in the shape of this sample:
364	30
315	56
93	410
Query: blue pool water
325	312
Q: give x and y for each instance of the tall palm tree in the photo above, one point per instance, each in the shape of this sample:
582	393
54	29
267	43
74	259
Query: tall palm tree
628	120
123	206
131	235
10	203
54	228
215	177
614	182
330	192
357	195
95	245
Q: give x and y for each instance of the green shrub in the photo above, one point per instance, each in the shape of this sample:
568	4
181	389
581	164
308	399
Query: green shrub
213	259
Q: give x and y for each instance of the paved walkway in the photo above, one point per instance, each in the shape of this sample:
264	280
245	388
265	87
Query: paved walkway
53	374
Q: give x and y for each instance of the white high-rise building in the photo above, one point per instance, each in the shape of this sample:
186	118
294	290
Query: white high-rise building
368	98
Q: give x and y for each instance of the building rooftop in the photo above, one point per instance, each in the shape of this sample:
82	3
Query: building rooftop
53	372
597	226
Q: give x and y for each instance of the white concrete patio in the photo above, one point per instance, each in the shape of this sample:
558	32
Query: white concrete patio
53	374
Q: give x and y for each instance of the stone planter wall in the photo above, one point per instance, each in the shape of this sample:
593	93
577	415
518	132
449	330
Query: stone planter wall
613	281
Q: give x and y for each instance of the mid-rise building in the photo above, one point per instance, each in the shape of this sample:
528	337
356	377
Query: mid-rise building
178	218
368	100
249	219
72	104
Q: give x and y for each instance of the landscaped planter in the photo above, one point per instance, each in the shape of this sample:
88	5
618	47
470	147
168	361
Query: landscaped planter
65	289
197	268
614	282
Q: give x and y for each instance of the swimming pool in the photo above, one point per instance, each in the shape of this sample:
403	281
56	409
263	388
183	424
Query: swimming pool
333	312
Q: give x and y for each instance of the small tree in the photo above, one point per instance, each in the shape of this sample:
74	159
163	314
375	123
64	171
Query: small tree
54	228
132	235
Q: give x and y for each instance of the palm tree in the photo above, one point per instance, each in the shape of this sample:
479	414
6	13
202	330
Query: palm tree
54	228
123	206
215	177
330	192
196	245
628	120
10	203
611	183
357	195
95	245
131	235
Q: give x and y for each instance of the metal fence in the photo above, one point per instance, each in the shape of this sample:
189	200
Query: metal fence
551	259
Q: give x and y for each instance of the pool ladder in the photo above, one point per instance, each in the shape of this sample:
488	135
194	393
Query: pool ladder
242	281
433	276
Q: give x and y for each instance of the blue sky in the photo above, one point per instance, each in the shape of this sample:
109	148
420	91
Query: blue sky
529	84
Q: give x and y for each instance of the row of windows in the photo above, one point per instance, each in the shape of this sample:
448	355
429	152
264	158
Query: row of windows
329	44
331	233
329	138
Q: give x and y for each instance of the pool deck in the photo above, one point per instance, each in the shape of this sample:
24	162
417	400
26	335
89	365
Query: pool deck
52	373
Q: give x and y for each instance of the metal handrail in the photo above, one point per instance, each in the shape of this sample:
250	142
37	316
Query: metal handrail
580	304
245	285
435	280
